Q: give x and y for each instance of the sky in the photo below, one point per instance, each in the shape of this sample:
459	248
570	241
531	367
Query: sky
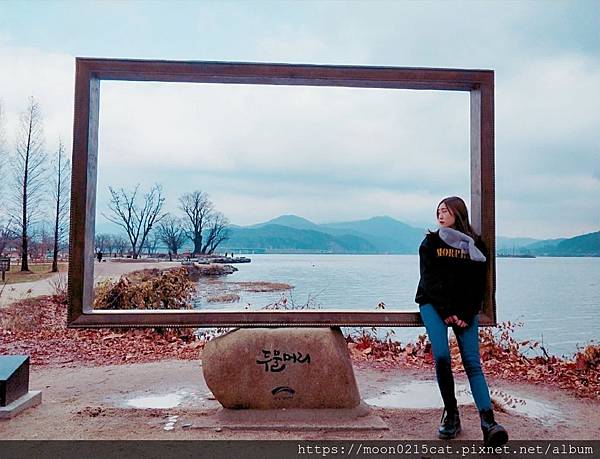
327	154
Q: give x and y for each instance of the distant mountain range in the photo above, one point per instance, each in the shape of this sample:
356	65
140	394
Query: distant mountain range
383	234
290	233
586	245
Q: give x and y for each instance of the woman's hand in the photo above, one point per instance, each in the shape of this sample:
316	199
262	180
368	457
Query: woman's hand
455	320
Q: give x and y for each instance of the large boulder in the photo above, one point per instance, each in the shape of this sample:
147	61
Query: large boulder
268	368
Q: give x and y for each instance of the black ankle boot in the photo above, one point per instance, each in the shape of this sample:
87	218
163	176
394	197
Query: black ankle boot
450	424
493	433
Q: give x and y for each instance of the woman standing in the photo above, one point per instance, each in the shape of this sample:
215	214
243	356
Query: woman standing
450	293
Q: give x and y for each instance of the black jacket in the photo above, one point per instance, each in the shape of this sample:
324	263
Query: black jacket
452	282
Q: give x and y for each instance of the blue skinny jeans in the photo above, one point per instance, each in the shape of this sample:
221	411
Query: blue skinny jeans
468	344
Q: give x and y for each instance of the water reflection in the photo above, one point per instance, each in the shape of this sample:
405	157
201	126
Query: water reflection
156	401
425	395
537	291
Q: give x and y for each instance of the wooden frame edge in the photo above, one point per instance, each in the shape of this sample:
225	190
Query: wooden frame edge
89	73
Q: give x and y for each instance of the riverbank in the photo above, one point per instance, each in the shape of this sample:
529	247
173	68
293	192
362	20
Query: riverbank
213	289
28	324
126	384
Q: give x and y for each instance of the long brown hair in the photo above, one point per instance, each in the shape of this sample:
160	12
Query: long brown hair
457	207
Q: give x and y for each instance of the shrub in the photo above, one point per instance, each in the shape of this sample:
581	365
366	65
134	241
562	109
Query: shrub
148	289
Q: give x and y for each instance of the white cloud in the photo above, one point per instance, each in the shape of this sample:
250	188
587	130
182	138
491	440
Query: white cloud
287	149
332	154
49	77
382	134
325	206
550	103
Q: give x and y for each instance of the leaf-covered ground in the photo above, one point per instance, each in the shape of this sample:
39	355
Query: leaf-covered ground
37	327
502	356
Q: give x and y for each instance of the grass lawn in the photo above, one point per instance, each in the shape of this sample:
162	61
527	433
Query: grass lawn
38	271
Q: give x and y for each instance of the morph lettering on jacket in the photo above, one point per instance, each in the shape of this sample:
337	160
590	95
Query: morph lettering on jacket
451	281
450	252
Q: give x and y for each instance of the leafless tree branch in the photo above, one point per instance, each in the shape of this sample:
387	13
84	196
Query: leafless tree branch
29	175
172	233
218	232
60	193
198	209
136	220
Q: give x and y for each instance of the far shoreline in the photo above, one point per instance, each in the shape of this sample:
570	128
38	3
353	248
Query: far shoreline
396	254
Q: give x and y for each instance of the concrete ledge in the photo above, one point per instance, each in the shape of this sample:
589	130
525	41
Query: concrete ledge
31	398
358	418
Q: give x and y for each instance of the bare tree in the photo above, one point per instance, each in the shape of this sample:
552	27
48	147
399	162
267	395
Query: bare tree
3	155
29	172
198	209
7	236
60	193
120	243
218	232
101	241
172	233
136	220
40	241
152	241
110	244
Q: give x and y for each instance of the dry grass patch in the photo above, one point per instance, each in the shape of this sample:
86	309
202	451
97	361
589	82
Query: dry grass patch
37	271
146	289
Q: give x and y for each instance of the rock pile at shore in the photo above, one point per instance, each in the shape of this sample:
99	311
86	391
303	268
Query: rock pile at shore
221	260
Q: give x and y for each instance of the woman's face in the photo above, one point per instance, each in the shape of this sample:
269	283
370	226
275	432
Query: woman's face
444	216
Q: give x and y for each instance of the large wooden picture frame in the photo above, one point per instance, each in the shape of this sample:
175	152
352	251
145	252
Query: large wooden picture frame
89	73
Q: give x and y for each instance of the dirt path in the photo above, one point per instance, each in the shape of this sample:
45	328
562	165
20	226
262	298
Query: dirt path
104	403
105	270
22	290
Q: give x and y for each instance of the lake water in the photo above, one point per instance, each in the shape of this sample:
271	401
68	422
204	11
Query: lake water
557	299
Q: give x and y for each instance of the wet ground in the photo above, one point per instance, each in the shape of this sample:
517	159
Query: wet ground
396	393
425	394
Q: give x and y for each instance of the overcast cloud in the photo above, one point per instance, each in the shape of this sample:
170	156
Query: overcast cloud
328	154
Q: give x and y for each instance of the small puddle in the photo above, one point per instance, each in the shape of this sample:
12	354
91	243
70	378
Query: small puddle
416	394
425	394
156	401
179	397
544	412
